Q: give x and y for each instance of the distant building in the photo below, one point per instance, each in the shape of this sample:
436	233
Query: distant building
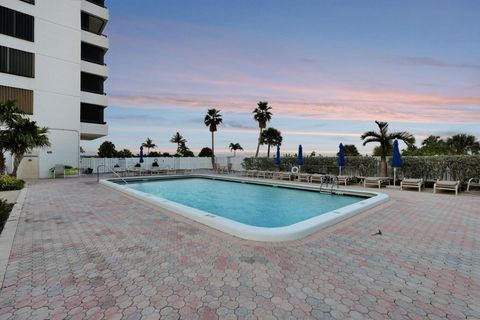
52	62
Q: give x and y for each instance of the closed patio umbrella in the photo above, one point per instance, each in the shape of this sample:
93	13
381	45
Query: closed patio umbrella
341	158
277	158
300	156
397	161
141	155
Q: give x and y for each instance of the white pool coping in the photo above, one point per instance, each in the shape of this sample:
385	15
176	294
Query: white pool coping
292	232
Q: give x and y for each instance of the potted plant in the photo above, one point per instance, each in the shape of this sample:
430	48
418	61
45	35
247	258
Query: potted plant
138	165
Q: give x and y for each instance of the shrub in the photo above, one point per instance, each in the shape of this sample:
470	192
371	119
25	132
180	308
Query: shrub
8	183
5	209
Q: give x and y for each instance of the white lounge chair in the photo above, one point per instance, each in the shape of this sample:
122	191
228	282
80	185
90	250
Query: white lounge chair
473	182
317	178
412	183
376	181
344	180
446	185
303	177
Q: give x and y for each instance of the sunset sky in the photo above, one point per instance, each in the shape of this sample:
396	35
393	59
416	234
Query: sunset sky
327	68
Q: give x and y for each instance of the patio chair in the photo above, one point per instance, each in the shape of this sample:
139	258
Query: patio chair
473	182
59	170
412	183
344	180
317	178
376	181
303	177
446	185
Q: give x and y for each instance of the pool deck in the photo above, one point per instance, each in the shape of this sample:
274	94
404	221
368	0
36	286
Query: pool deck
82	250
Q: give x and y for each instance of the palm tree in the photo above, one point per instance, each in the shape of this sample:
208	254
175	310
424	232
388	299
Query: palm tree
9	115
262	115
463	144
179	140
271	137
385	139
234	147
213	119
23	137
149	145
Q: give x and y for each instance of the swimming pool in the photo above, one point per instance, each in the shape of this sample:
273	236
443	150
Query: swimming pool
252	209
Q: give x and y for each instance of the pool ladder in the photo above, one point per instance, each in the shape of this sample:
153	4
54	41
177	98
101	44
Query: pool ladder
325	182
113	171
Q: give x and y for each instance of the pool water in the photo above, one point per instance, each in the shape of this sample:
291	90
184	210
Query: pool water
256	205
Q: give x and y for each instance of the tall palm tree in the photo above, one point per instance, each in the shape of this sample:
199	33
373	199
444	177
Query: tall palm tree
234	147
385	139
463	144
179	140
9	115
262	115
271	137
23	137
149	145
212	120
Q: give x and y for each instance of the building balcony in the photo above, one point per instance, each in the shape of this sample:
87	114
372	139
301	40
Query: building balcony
96	8
93	68
92	131
95	39
94	98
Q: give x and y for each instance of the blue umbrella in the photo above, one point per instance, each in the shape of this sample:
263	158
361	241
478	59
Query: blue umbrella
277	159
341	157
300	156
397	161
141	154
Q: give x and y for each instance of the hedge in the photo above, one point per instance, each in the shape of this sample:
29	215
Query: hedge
427	167
8	183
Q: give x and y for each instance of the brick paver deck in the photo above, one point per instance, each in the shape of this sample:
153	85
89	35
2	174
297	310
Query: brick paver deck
85	251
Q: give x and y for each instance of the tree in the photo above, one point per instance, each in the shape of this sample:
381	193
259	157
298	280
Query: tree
271	137
234	147
154	154
9	115
463	144
212	120
205	152
385	139
351	150
149	145
184	151
107	150
262	115
24	136
178	139
125	153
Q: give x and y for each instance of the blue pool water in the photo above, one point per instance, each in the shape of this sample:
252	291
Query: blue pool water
256	205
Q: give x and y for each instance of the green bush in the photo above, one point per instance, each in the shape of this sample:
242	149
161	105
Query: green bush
8	183
356	166
430	168
5	209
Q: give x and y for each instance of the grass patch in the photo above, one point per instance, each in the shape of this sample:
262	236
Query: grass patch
5	209
8	183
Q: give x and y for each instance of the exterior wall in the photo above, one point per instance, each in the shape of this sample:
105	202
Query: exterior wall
58	65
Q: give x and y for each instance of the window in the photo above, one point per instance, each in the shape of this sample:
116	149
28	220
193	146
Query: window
92	24
92	53
100	3
16	24
23	97
91	83
91	113
17	62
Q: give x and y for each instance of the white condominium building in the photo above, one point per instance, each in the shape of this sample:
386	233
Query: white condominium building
52	63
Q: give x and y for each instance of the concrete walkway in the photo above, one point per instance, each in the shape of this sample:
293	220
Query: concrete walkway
84	251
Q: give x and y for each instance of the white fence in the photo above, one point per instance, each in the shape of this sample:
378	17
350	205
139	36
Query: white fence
194	163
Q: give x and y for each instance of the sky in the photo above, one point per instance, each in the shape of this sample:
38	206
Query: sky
328	69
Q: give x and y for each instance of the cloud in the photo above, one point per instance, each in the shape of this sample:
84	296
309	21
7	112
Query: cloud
340	105
432	62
